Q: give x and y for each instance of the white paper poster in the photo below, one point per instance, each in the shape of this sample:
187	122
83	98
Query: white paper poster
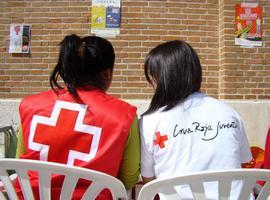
105	18
20	35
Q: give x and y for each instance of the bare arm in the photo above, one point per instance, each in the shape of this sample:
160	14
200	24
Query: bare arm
148	179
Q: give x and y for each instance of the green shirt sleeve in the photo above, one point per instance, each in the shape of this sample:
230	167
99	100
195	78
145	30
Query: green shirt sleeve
130	165
20	145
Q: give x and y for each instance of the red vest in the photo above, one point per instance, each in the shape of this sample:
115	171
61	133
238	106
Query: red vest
266	164
91	133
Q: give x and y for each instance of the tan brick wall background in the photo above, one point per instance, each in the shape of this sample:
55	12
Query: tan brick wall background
230	72
244	72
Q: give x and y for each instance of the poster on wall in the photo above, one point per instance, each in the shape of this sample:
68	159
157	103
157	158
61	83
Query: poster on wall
248	25
20	35
105	18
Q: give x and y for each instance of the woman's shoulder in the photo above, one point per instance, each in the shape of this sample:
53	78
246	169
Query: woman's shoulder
35	98
119	102
94	95
220	106
217	103
149	122
37	101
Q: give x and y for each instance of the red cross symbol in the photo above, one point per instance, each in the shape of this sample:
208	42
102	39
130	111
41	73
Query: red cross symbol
160	140
55	135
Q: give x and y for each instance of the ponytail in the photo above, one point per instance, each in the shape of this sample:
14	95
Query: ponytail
70	59
99	55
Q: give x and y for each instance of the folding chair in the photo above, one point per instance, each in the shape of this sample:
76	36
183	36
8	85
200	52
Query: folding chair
71	175
10	139
195	182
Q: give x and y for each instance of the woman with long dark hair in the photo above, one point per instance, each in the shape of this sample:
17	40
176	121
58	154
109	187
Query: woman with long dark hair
183	130
77	122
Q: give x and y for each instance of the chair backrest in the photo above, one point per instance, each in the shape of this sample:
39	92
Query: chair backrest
197	180
71	175
10	138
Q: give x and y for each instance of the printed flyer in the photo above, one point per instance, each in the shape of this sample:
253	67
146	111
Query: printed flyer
248	25
105	18
19	38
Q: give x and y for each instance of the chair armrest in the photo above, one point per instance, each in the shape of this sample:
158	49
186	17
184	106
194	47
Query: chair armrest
12	178
257	188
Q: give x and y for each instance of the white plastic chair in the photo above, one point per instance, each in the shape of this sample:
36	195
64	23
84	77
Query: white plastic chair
196	180
46	169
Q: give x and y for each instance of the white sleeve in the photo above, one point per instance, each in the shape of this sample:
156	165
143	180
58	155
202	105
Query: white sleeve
245	152
147	161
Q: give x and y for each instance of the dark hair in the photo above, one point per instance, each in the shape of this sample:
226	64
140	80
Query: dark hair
80	61
175	68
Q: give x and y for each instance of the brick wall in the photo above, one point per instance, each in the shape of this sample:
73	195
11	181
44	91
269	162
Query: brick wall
244	72
230	72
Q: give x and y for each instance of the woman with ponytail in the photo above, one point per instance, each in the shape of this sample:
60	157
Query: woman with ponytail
76	122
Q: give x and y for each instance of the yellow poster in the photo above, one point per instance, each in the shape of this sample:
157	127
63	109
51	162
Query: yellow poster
98	16
105	18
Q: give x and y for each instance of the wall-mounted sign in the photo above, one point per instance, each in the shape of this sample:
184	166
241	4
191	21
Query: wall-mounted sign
20	36
248	24
105	18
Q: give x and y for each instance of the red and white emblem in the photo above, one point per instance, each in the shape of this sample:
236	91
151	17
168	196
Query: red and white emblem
66	120
160	140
